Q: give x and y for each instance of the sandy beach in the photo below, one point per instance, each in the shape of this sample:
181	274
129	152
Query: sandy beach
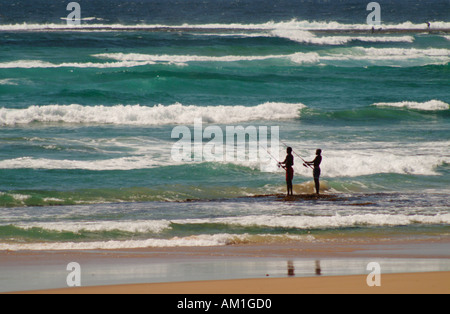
408	266
406	283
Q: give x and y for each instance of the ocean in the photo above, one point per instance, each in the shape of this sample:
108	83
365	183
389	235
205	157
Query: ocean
88	114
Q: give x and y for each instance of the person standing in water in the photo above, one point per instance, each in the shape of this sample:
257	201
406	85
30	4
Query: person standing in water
316	163
288	166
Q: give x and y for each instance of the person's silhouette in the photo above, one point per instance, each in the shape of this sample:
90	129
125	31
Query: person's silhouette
288	166
316	172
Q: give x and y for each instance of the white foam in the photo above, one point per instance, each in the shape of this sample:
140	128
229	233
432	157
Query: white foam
181	59
128	60
307	37
274	221
292	24
202	240
301	222
354	164
432	105
125	163
135	226
20	197
356	159
134	60
8	82
317	222
30	64
303	36
52	199
305	58
298	57
142	115
404	52
333	25
390	56
387	39
349	160
91	18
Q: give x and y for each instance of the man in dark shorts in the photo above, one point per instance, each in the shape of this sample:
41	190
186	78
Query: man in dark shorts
288	166
316	163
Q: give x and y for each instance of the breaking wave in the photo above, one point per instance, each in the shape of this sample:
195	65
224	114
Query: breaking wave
432	105
249	223
292	24
202	240
336	57
142	115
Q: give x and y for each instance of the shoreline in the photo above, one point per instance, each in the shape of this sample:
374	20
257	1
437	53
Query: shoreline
321	246
226	269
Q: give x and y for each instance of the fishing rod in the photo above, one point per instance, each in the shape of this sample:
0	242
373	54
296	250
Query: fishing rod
305	163
267	151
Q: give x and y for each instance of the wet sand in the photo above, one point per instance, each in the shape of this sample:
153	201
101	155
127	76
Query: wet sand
235	260
406	283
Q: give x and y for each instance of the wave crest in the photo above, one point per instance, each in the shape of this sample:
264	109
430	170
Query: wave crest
143	115
271	25
432	105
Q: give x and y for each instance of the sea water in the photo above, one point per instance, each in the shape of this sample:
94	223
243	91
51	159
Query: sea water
87	113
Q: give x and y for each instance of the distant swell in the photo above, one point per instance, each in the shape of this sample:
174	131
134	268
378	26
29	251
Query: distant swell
292	24
142	115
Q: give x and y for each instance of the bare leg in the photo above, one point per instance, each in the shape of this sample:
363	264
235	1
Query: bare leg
317	185
289	188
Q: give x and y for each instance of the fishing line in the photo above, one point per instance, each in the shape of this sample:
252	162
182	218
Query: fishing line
305	164
278	163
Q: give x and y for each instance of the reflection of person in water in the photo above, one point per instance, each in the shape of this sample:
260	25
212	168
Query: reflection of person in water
316	163
288	166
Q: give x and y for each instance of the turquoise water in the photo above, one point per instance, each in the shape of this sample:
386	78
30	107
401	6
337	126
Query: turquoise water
86	118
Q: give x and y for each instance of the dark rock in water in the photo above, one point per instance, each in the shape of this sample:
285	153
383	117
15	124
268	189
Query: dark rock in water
301	197
309	197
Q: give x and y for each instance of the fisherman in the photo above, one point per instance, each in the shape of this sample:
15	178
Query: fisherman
316	172
288	166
